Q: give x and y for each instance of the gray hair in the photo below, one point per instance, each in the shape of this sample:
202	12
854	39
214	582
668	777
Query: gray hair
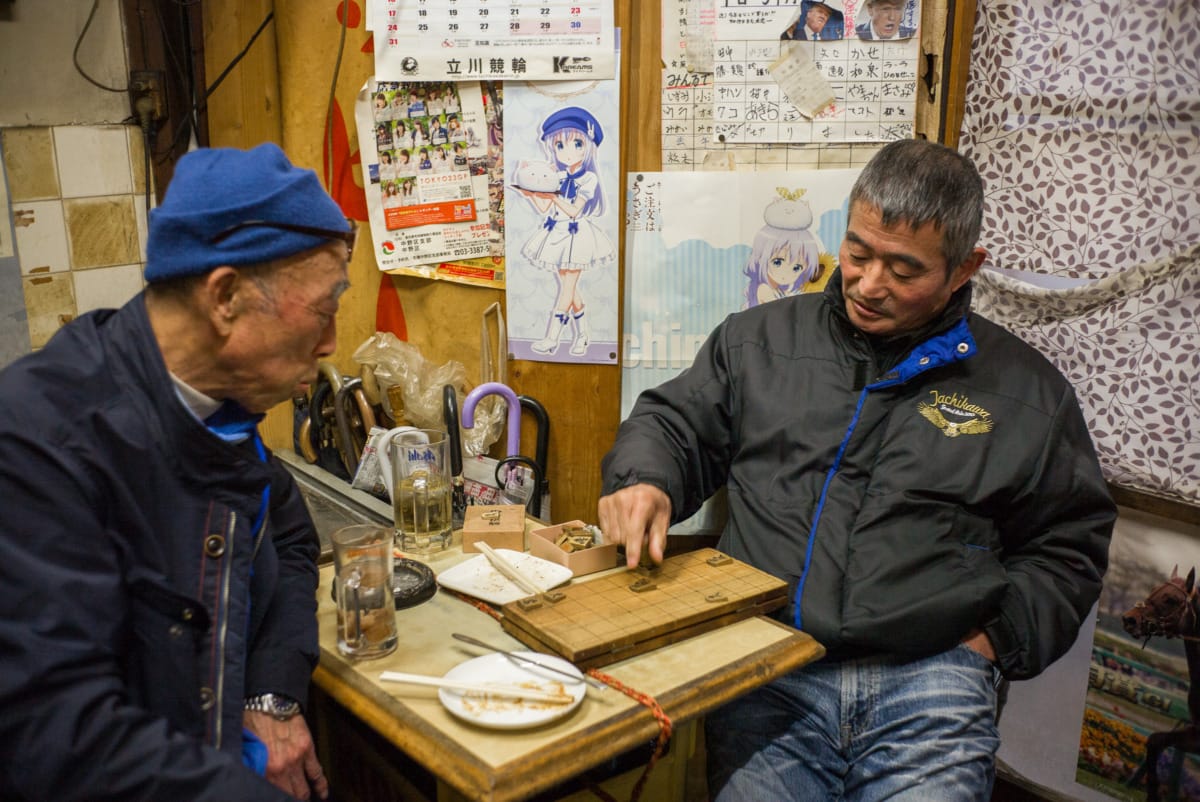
915	181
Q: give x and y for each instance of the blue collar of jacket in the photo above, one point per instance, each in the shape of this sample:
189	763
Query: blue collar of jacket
945	339
187	442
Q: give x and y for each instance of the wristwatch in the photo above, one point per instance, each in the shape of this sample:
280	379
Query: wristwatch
275	704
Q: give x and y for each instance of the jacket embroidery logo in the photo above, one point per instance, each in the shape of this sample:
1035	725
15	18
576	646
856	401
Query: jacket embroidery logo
955	414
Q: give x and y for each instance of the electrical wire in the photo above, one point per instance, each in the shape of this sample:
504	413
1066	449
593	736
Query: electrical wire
75	53
203	102
337	67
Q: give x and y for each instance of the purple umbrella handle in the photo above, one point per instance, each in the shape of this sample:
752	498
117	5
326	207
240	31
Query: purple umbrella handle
514	411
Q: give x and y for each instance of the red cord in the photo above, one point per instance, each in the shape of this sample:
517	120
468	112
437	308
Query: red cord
664	721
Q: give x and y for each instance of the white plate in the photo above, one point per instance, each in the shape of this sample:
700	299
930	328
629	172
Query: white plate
511	714
477	577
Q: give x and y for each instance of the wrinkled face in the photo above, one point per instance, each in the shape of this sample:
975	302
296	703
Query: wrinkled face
816	18
279	336
783	269
885	17
894	278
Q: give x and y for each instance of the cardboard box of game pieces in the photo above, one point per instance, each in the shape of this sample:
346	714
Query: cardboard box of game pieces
567	544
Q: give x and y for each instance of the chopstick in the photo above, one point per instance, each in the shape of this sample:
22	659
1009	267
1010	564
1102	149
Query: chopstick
477	687
508	569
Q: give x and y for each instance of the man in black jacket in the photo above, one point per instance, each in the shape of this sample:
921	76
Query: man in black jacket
923	480
157	625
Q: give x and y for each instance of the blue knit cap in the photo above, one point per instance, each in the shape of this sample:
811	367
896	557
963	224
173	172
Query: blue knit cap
214	189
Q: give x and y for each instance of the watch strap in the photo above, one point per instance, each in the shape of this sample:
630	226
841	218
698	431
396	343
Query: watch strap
275	704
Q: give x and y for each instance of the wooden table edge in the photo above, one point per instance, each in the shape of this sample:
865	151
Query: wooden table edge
614	736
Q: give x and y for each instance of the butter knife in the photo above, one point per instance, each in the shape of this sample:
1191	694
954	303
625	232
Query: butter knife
520	658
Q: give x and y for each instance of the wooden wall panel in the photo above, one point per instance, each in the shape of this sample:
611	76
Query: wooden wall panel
244	110
443	319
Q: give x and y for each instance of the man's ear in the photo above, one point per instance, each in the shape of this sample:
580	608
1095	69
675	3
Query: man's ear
223	295
962	274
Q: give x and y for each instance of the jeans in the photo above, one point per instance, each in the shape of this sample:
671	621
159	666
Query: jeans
867	729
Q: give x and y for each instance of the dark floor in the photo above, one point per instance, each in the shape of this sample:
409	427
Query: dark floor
1007	792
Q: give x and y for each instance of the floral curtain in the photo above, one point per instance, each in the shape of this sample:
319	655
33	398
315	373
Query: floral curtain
1084	120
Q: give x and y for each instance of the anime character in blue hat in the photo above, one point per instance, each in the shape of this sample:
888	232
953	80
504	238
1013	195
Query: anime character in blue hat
569	241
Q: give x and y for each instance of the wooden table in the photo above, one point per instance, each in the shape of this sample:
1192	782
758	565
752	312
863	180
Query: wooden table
688	679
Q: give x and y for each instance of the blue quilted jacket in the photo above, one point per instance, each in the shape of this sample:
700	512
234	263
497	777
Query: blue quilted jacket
139	601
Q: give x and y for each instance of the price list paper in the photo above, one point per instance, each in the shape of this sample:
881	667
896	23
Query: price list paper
688	142
873	81
465	40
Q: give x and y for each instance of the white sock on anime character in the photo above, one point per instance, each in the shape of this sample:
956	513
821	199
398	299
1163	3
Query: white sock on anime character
549	343
579	345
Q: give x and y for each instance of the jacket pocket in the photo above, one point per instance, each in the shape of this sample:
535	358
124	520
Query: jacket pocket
921	576
167	636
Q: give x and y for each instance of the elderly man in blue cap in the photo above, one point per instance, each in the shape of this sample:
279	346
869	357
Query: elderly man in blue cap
157	629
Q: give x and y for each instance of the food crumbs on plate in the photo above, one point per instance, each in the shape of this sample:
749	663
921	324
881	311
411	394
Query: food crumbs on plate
478	702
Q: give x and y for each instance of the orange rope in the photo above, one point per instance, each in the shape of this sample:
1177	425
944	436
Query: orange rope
660	745
664	721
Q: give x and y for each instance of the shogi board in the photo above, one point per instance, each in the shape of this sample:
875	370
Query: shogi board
603	620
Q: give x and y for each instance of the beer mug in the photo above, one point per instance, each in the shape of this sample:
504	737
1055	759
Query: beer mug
366	606
421	487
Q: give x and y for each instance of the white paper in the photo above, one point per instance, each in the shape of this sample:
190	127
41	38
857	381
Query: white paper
462	40
874	82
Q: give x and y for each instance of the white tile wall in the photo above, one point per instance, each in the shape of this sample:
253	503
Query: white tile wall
106	287
94	164
93	160
41	236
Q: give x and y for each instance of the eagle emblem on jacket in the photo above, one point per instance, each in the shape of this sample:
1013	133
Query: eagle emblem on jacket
949	428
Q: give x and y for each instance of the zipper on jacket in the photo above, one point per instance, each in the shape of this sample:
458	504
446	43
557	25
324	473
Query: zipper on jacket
812	533
227	571
953	345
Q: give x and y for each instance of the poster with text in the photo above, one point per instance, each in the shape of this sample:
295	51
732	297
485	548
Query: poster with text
862	55
424	158
464	40
700	246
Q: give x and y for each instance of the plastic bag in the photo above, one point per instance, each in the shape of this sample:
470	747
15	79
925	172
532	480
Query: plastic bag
396	363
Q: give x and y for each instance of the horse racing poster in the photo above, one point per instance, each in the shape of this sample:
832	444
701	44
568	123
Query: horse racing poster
1141	720
1080	730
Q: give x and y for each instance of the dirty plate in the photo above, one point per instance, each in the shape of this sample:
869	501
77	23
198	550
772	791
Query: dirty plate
511	714
478	577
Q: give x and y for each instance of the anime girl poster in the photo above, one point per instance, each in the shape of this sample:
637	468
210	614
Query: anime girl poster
562	217
700	246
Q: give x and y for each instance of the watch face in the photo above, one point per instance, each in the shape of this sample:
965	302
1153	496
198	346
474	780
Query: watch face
281	707
284	707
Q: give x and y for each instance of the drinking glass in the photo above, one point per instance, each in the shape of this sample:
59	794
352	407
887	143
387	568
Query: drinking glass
366	605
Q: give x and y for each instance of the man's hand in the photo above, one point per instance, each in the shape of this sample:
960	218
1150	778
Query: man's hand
291	757
635	516
980	642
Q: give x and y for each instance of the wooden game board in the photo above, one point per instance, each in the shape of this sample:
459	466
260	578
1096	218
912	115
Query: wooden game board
613	617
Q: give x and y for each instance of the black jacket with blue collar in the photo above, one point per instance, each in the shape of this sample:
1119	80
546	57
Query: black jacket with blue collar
908	500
